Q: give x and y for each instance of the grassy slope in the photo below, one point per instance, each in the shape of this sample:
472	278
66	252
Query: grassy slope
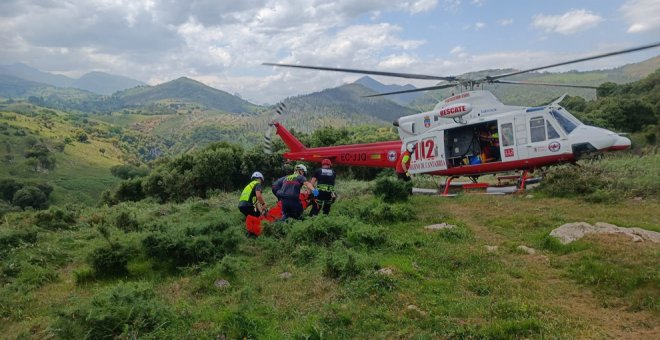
458	287
81	172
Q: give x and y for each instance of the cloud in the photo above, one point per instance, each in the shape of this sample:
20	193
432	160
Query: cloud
567	23
505	22
641	15
479	25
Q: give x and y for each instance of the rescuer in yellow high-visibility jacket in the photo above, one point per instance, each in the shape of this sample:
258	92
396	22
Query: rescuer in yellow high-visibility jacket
251	198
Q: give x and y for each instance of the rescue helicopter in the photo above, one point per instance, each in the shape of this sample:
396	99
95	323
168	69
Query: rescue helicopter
471	133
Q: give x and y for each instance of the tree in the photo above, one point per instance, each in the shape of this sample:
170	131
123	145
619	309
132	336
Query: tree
82	137
102	151
30	196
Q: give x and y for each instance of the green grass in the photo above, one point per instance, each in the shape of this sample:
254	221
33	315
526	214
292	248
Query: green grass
444	284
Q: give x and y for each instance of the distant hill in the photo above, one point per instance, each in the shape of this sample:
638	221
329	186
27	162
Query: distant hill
378	87
538	95
96	82
185	91
14	87
26	72
104	83
347	101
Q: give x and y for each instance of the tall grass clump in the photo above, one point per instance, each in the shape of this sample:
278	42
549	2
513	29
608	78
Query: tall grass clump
126	311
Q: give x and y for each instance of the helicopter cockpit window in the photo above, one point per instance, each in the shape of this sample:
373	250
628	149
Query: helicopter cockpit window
552	133
565	122
537	129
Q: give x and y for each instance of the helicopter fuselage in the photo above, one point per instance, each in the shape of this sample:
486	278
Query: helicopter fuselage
473	133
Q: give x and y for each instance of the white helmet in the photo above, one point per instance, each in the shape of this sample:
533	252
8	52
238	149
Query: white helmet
301	167
411	147
257	174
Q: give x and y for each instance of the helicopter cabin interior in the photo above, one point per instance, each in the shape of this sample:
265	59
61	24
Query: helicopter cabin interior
472	144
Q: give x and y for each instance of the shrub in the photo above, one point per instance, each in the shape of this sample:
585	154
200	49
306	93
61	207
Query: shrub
14	238
127	310
322	230
367	235
126	221
192	245
375	211
588	180
344	265
55	219
392	190
130	190
110	261
128	171
30	196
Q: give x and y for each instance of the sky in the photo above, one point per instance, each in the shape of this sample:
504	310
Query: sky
223	43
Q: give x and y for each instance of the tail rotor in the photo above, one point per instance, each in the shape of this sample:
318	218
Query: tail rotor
268	142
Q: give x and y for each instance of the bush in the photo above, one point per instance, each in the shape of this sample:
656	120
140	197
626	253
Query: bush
128	171
590	181
110	261
192	245
344	265
240	325
392	190
30	196
322	230
376	212
55	219
130	190
127	310
14	238
367	235
126	222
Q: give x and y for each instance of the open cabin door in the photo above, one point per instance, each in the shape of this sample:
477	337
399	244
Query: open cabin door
429	155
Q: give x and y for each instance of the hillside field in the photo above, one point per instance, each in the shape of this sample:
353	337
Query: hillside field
191	271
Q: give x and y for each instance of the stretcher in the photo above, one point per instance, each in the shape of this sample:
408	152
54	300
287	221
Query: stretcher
253	223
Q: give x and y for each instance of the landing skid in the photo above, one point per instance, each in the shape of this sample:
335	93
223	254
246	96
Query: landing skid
522	180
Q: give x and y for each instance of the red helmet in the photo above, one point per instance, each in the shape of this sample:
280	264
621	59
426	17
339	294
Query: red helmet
326	162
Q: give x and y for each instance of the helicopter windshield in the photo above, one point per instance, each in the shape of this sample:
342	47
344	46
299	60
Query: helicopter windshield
566	120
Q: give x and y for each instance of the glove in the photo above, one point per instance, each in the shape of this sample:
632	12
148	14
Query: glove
407	174
315	192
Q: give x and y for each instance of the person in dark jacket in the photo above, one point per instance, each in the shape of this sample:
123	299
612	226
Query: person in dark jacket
290	192
324	180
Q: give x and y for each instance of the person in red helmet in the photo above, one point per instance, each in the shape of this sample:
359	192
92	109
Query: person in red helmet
324	180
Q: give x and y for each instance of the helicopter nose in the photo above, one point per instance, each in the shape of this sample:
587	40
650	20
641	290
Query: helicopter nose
620	143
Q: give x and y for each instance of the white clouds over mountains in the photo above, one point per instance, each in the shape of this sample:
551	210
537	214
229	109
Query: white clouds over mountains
224	42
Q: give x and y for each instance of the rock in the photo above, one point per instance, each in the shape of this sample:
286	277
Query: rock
638	198
285	275
491	249
439	226
570	232
529	196
386	271
527	250
222	283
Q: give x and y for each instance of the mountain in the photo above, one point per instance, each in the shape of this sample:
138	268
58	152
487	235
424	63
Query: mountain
347	101
104	83
401	99
185	92
14	87
539	95
96	82
26	72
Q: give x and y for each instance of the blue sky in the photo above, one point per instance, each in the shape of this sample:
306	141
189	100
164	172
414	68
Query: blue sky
223	43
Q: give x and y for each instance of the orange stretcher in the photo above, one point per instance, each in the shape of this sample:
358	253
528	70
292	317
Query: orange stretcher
253	223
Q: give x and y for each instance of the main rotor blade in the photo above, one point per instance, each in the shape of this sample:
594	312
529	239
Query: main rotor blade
544	84
437	87
634	49
377	73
